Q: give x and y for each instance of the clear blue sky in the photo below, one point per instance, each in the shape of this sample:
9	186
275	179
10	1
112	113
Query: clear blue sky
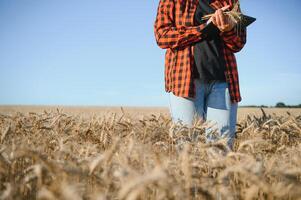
97	52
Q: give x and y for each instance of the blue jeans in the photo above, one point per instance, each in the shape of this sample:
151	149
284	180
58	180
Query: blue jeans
212	102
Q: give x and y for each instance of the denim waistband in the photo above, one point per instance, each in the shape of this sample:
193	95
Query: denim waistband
209	81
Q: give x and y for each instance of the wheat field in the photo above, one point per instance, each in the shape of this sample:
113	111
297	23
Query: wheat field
133	153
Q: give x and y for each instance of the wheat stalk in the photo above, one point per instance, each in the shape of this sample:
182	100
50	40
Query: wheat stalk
234	14
72	159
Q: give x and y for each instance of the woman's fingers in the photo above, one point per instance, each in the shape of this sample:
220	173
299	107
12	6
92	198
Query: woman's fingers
220	20
225	8
221	17
217	18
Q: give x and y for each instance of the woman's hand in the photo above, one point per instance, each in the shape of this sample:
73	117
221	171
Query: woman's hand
222	21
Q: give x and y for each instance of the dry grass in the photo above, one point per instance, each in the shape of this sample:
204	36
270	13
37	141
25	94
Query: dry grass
54	155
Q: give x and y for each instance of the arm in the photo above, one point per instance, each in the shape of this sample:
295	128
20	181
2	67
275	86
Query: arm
235	39
169	36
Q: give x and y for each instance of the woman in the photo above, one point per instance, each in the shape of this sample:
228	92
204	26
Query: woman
200	67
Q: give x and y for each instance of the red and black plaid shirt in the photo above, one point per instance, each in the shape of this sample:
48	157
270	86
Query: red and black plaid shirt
175	30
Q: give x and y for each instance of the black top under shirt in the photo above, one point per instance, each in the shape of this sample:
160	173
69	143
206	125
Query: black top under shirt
208	55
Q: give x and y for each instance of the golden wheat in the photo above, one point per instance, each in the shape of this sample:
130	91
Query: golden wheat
54	155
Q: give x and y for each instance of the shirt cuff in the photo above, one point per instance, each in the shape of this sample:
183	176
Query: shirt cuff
229	33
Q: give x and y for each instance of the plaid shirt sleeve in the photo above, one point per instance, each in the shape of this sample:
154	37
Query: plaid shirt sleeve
235	39
169	36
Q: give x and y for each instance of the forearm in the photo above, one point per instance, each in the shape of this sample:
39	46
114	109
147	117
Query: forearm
172	37
235	39
167	34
